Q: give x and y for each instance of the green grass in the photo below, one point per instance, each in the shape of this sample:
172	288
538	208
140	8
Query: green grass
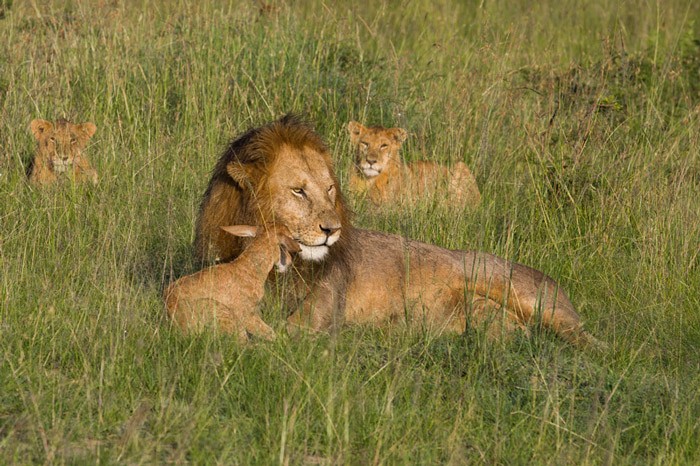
581	123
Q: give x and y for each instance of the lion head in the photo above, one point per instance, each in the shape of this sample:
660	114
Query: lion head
280	173
62	143
377	148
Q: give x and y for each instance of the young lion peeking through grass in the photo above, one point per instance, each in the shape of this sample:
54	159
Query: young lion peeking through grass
384	178
59	153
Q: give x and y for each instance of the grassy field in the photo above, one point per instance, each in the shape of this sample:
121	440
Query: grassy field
581	121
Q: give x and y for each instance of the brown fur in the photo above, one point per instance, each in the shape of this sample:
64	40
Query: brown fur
384	178
397	279
227	295
366	277
59	152
256	182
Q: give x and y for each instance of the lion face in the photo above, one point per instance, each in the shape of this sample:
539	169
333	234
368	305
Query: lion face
376	147
299	192
62	143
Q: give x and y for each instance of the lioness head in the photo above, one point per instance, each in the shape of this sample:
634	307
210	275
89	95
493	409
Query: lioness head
377	148
61	143
280	173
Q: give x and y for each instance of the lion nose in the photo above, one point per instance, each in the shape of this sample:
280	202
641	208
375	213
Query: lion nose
329	229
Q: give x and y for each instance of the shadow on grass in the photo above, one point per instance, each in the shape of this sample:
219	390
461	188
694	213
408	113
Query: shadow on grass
159	262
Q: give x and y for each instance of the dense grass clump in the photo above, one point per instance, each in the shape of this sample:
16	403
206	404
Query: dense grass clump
581	121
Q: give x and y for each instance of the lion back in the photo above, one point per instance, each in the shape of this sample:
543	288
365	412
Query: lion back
462	185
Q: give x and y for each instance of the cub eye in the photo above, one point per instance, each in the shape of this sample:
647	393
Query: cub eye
331	190
299	192
384	146
52	139
73	140
364	144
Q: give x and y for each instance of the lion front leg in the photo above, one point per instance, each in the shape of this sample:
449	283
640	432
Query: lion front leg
41	174
321	310
87	175
313	315
197	315
242	325
84	172
257	327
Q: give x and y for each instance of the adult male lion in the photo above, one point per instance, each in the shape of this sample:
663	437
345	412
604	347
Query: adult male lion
282	173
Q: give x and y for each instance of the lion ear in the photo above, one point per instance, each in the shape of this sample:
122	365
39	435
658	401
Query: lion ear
355	129
246	231
39	127
88	129
399	134
241	173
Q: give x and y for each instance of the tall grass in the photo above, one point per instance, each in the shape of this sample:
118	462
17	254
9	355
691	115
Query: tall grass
581	122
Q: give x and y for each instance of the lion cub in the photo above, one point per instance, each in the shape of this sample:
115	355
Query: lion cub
228	294
383	177
60	152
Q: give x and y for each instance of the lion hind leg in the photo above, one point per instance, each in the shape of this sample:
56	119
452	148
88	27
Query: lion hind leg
553	309
498	322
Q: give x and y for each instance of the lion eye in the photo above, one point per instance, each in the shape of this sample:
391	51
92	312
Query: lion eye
331	190
384	146
299	192
73	140
52	139
364	144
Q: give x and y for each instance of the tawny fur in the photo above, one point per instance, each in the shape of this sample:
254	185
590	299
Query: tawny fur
256	175
227	295
59	152
381	175
367	277
397	279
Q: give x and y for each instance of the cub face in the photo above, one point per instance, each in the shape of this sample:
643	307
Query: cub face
377	148
62	143
278	236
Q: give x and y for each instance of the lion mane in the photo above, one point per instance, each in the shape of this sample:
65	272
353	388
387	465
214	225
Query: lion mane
228	201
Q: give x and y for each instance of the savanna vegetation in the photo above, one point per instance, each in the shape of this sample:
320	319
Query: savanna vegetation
580	121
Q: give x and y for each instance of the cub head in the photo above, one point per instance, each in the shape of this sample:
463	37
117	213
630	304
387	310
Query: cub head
286	172
377	148
61	143
278	236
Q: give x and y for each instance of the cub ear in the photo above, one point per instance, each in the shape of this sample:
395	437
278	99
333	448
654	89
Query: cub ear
88	129
242	173
399	134
355	129
40	127
245	231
